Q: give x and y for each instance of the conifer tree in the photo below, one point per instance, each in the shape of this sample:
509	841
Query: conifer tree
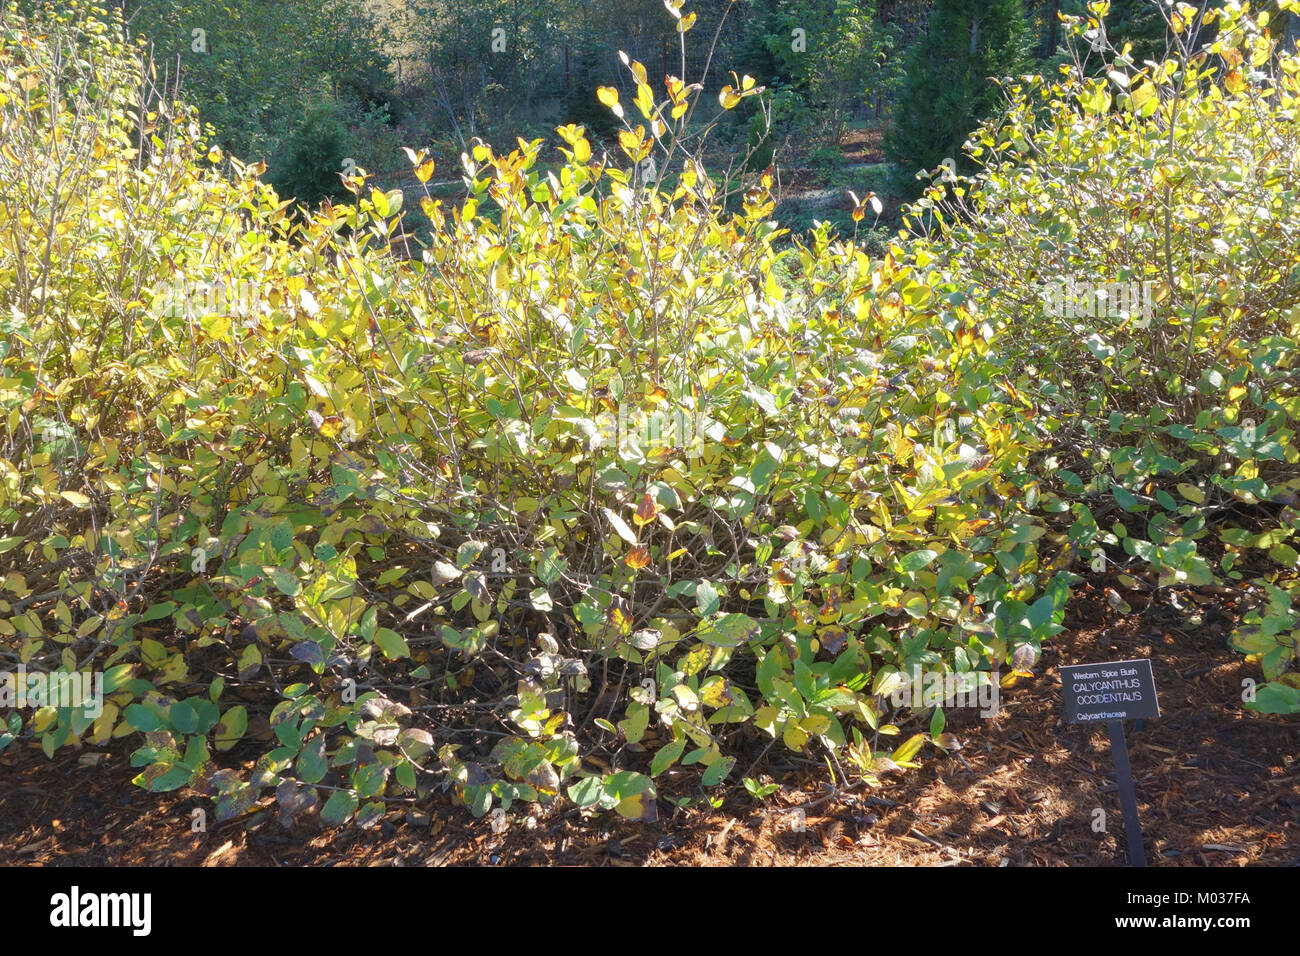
948	90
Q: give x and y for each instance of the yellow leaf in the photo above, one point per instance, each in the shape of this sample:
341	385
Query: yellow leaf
728	97
1261	50
645	100
103	727
75	498
424	172
633	143
44	719
1141	95
907	750
608	97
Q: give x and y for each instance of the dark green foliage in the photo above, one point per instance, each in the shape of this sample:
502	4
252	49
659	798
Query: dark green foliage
1141	23
760	146
753	54
948	89
254	68
837	56
308	164
587	70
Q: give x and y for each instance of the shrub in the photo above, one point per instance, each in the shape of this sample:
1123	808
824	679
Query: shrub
589	472
1174	413
606	494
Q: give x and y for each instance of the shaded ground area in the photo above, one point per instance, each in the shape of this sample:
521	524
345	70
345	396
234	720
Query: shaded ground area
1217	786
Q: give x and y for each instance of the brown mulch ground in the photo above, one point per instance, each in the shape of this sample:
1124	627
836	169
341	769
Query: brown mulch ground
1217	786
864	145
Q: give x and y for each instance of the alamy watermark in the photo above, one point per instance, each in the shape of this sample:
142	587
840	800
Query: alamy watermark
676	426
195	298
36	689
1086	299
635	430
946	689
76	909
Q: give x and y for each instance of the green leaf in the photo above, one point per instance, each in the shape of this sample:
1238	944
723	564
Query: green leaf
634	795
115	678
183	717
311	763
468	553
1275	698
586	791
937	722
164	777
706	599
917	560
635	724
230	728
717	771
141	718
285	581
339	807
666	756
730	630
392	644
1126	500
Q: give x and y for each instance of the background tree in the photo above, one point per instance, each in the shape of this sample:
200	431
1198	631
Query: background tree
838	56
948	87
1141	23
268	76
308	164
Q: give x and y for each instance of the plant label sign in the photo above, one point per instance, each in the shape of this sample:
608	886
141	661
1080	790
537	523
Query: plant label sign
1112	693
1120	690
